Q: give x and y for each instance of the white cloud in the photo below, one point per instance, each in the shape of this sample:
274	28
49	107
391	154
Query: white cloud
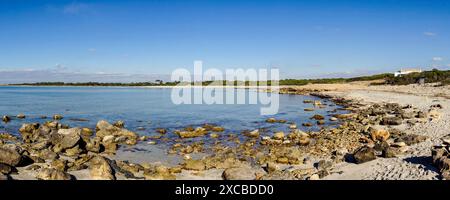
430	34
437	59
75	8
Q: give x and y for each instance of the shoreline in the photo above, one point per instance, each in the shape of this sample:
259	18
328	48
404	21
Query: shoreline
316	156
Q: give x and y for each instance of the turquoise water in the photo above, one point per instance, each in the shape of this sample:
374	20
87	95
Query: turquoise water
143	109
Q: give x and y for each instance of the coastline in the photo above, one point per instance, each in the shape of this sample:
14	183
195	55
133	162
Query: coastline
312	161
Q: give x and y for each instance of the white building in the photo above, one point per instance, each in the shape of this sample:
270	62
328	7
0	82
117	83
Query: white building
406	71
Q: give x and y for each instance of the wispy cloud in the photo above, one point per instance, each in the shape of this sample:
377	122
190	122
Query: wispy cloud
437	59
430	34
75	8
92	50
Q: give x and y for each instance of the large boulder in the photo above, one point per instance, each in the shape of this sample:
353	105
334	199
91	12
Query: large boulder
10	156
66	138
364	154
99	169
104	128
379	135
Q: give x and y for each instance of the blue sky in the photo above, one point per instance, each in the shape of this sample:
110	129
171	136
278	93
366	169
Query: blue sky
310	38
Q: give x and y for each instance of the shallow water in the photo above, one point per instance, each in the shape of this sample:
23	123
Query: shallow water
144	108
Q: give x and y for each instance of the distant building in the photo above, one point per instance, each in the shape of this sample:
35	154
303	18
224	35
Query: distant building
406	71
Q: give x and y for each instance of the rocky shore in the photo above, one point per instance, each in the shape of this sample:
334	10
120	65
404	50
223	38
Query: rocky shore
383	135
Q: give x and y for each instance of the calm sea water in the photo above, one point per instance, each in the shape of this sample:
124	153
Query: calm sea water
143	108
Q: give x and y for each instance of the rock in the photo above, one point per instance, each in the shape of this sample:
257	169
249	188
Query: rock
411	139
218	129
214	135
271	167
93	145
308	109
197	165
6	169
278	136
110	138
307	101
119	124
283	160
198	132
391	121
74	151
254	133
389	153
242	173
307	124
5	177
99	169
398	144
104	129
379	135
161	130
434	114
21	116
48	154
6	119
321	122
10	156
333	119
364	154
271	120
57	117
318	117
60	165
53	174
314	177
293	126
66	138
110	148
421	114
324	165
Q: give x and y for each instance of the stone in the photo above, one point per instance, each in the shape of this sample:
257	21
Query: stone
218	129
364	154
412	139
21	116
308	109
57	117
109	139
398	144
99	169
10	156
389	153
391	121
6	119
6	169
434	114
271	120
60	165
161	130
293	126
104	128
197	165
379	135
67	138
242	173
254	133
321	122
283	160
278	136
52	174
318	117
324	165
333	119
314	177
119	124
93	145
307	124
214	135
198	132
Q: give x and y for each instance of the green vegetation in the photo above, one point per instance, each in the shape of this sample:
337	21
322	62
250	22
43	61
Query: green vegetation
432	76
